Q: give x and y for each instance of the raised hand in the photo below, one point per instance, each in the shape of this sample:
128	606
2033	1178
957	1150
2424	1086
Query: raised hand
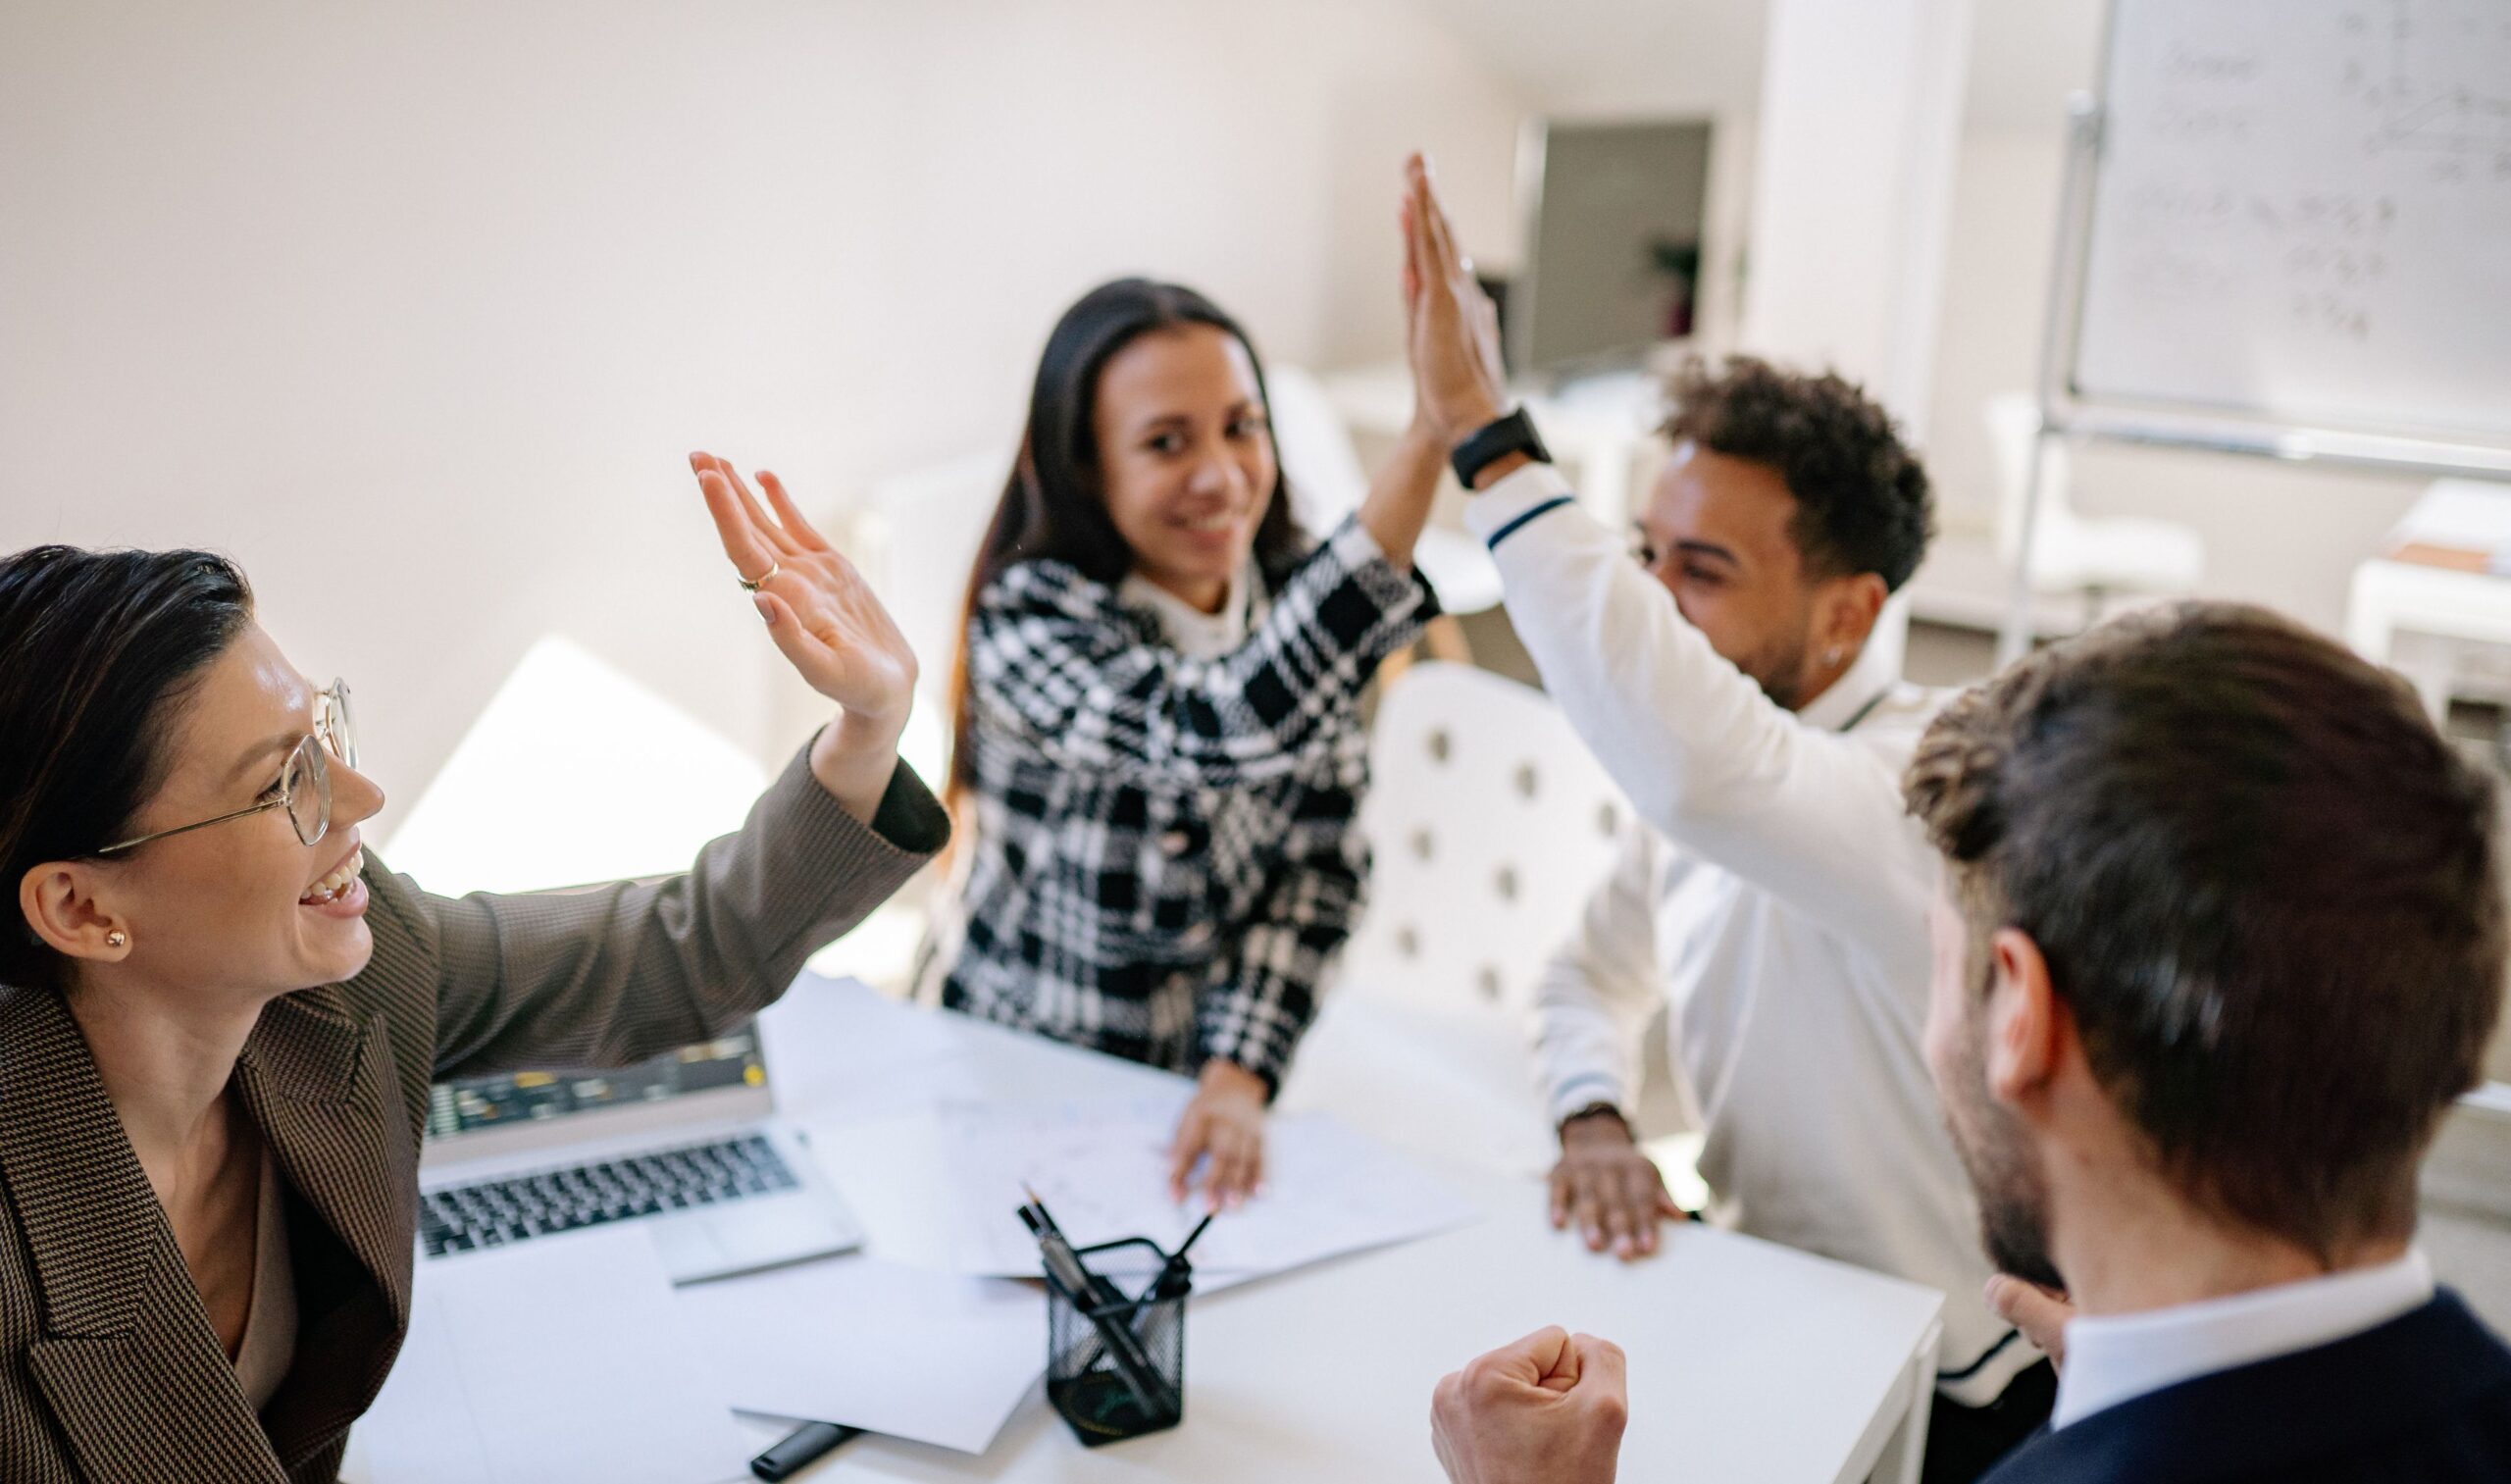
827	622
821	612
1451	328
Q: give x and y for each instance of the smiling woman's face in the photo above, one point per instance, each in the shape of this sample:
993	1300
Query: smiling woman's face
1187	457
243	909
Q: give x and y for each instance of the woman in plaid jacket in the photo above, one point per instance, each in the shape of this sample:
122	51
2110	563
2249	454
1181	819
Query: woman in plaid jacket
1158	743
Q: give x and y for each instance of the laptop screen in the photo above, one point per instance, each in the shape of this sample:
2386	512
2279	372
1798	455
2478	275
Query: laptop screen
483	1103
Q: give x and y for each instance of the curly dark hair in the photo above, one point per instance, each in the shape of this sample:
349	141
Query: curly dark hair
1862	498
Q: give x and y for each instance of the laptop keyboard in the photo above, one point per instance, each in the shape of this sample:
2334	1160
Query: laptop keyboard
495	1212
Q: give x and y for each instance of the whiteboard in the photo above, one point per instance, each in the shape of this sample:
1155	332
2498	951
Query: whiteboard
2301	215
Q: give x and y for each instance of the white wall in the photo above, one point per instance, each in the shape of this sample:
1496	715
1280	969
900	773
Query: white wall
1860	115
415	307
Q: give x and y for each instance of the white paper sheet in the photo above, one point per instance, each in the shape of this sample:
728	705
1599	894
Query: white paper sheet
1101	1168
888	1169
555	1359
931	1357
839	1053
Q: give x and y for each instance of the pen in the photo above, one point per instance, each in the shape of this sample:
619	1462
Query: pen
799	1449
1061	1259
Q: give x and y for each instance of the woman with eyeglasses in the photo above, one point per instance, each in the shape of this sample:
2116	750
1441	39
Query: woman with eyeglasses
220	1017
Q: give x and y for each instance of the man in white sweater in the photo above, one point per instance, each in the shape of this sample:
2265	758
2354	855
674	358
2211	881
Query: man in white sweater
1778	902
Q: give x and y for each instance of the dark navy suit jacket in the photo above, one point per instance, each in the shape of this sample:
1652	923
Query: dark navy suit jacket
2425	1399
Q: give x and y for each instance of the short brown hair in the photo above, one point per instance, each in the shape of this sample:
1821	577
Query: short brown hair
2265	885
1862	498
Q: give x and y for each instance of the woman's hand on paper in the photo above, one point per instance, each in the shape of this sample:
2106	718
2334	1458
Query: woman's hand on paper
829	625
1222	1131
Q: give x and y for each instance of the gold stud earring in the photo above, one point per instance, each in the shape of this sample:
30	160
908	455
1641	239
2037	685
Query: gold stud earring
117	939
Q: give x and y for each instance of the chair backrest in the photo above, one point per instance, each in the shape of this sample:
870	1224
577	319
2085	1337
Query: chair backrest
1314	444
927	525
1491	825
1328	482
2014	423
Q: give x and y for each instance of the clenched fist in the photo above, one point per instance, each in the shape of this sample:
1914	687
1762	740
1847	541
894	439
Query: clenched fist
1548	1410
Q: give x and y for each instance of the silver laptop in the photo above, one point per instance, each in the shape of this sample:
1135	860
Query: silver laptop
687	1145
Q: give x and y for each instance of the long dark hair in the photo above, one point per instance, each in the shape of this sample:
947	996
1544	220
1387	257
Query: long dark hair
1054	504
96	650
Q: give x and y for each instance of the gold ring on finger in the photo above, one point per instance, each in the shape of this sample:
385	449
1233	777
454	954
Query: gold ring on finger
754	583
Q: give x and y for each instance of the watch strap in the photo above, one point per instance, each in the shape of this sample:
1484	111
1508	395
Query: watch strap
1495	440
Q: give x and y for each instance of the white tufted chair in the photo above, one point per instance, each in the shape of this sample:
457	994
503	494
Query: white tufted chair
1491	825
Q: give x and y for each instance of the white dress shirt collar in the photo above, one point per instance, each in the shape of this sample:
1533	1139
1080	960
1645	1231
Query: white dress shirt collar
2123	1356
1848	698
1190	631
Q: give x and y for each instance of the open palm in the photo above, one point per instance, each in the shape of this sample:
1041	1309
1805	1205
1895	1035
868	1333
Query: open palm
822	614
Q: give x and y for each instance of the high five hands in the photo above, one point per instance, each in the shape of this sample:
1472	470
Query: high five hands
1451	328
828	623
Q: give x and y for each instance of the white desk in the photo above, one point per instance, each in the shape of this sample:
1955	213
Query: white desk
1748	1363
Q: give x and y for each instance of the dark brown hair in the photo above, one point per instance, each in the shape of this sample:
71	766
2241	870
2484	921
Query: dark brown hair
1055	505
1862	498
97	650
2266	887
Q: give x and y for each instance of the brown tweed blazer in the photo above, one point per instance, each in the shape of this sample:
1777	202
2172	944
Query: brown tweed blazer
109	1369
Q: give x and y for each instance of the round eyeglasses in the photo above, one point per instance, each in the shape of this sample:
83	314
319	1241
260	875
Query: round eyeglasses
304	787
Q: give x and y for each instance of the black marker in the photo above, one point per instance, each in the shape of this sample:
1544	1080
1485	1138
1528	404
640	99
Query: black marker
801	1449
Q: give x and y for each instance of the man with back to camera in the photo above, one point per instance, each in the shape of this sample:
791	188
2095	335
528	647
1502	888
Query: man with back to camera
2221	939
1775	897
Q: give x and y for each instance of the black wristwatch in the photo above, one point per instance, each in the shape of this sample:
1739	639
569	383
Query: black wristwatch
1495	440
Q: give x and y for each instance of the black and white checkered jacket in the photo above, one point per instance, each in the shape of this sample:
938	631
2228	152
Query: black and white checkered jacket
1166	855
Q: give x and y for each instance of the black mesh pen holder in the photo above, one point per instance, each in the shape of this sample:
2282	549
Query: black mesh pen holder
1117	1355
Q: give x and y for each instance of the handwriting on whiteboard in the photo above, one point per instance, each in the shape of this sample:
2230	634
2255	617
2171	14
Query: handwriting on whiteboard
2299	210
